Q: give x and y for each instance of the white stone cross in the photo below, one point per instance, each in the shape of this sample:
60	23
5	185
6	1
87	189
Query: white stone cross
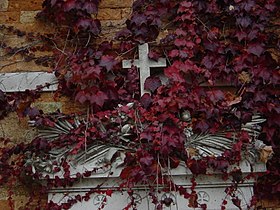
20	81
144	64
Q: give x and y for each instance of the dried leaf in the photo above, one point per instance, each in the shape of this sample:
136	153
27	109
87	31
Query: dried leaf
244	77
266	153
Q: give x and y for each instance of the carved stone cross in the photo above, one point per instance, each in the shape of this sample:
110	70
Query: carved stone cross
144	64
20	81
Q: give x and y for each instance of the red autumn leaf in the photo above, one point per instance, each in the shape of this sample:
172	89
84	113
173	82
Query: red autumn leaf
53	2
93	71
237	202
208	62
154	55
89	24
173	53
202	125
109	192
255	49
241	35
90	7
126	172
152	83
124	33
186	4
70	4
81	97
180	42
98	98
244	21
180	32
147	160
146	100
139	19
236	175
174	74
193	200
108	62
197	166
215	95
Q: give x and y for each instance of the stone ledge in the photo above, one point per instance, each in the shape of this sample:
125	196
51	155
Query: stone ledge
9	17
28	16
109	14
21	5
4	5
115	3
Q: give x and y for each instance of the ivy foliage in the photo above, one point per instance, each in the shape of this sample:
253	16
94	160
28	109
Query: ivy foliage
222	68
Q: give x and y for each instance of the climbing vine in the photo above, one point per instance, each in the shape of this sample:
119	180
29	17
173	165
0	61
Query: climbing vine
223	69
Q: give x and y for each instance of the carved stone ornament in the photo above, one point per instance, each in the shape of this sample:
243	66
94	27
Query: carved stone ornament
168	199
99	200
137	199
203	197
100	156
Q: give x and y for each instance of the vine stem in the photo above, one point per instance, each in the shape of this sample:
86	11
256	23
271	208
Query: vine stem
87	123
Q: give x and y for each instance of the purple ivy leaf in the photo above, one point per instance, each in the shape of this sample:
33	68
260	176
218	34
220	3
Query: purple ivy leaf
146	100
138	19
90	7
154	55
147	160
241	35
88	24
152	83
215	95
256	49
108	62
98	98
124	33
53	2
244	21
70	4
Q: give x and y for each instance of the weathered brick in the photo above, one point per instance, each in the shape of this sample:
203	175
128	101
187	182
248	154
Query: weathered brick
28	16
126	12
23	5
115	3
47	106
9	17
4	5
4	204
69	106
15	129
37	27
22	66
109	14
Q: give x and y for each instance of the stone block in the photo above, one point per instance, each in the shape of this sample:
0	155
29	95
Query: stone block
23	66
4	5
20	81
210	189
22	5
28	16
9	17
15	129
109	14
4	204
48	107
115	3
126	13
36	27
